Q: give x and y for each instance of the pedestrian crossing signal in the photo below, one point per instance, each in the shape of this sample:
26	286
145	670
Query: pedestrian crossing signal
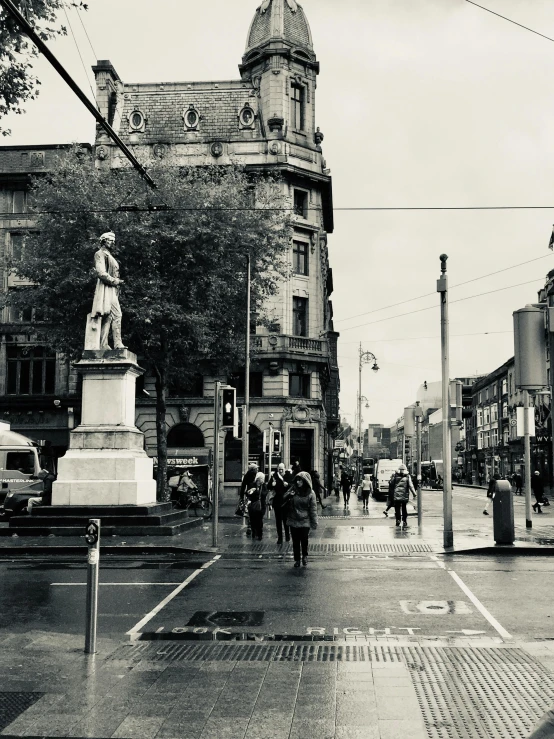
276	449
228	407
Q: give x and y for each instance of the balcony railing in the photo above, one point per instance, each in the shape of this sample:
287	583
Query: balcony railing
284	343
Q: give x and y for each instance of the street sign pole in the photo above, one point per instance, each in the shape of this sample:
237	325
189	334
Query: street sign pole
92	537
270	451
442	288
418	413
527	459
215	496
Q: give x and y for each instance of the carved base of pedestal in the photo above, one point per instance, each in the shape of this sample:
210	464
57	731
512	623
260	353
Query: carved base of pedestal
104	477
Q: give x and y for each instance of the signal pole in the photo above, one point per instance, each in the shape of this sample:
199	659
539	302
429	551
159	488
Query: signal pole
246	406
442	288
418	414
215	510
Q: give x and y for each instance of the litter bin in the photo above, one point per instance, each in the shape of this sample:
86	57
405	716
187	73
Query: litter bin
503	513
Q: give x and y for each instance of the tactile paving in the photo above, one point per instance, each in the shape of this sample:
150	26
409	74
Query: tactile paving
223	652
336	548
13	704
478	693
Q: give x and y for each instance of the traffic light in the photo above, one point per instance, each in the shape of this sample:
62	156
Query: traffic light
228	407
456	396
276	443
467	401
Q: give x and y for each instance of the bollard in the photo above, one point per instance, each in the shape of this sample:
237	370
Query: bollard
503	513
92	537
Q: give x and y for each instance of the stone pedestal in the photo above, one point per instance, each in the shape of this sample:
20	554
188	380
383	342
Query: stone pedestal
106	463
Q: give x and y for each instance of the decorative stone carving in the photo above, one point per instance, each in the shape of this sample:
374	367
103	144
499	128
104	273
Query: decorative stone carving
318	137
191	118
101	153
301	413
184	413
247	117
276	123
275	148
159	151
216	149
37	159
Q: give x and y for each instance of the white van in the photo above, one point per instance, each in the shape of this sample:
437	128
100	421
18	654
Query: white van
384	470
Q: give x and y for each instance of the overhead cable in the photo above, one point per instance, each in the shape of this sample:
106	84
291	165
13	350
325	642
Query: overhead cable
431	307
427	295
509	20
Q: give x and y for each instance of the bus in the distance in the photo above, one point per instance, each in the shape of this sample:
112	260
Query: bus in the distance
368	466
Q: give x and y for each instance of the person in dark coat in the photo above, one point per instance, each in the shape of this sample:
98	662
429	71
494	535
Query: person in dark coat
490	492
537	486
518	483
403	486
279	484
346	484
301	507
247	483
256	497
48	479
317	487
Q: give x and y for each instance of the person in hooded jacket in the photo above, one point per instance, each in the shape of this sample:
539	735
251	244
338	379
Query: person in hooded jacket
256	497
301	506
403	486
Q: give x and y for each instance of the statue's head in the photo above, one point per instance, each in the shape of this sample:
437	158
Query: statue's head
108	239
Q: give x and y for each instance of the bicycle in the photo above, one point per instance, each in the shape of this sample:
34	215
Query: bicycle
201	504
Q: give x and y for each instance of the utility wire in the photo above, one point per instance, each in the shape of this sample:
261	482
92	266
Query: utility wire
146	209
510	20
86	34
417	338
80	56
427	295
431	307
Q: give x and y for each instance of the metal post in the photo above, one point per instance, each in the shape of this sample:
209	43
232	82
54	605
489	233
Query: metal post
92	537
442	288
215	513
359	413
418	419
527	459
246	407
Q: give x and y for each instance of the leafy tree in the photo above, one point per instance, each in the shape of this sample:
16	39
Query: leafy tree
17	82
183	266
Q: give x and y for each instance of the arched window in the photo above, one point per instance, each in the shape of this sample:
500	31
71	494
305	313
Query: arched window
233	453
185	435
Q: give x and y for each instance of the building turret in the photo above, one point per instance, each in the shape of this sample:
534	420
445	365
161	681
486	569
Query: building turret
281	63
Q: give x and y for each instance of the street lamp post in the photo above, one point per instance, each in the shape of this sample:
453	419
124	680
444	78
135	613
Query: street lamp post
365	358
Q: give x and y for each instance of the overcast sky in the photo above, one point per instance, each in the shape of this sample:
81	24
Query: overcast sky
423	103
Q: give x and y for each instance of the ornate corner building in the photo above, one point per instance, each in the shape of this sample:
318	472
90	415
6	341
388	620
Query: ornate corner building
266	121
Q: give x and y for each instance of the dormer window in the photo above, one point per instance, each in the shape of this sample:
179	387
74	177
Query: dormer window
191	118
246	117
137	121
298	105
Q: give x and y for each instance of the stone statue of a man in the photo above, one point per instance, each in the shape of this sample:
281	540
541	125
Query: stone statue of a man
106	311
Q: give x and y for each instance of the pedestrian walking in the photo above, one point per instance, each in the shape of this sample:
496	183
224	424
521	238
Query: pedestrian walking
346	484
518	483
317	487
403	486
537	486
390	494
336	483
278	486
490	492
366	489
296	468
301	507
256	497
247	483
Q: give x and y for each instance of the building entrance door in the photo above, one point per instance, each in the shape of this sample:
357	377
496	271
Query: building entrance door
302	448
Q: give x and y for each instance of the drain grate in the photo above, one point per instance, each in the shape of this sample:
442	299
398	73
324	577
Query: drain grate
13	704
478	692
222	652
346	548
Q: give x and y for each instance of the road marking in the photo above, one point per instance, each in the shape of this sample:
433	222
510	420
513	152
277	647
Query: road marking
72	584
480	607
133	632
